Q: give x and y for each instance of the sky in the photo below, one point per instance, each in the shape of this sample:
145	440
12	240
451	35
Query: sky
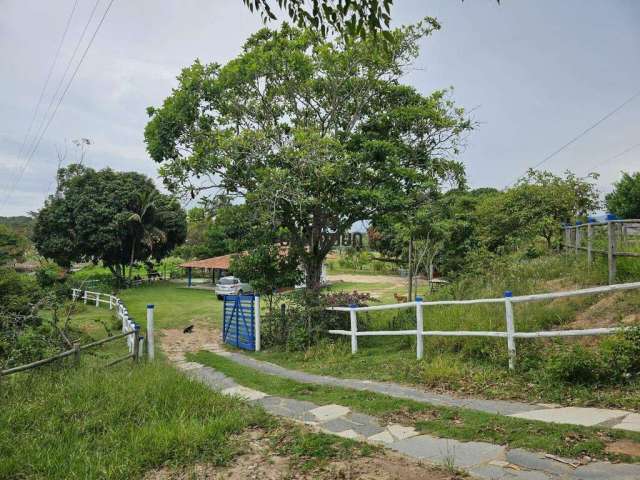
532	73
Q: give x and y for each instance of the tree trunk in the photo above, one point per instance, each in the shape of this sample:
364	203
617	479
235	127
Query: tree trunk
313	273
133	250
410	270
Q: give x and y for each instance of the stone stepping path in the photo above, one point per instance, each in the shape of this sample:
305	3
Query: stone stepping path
620	419
480	459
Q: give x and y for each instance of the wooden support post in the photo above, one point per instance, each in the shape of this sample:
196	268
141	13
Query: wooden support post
578	237
419	328
611	251
589	242
76	354
97	299
136	343
511	341
354	329
256	309
150	344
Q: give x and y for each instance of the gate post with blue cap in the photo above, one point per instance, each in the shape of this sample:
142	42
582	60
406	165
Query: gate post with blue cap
150	350
419	329
511	341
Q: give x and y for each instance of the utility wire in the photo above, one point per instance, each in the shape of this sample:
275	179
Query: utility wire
618	155
581	134
46	83
66	70
64	93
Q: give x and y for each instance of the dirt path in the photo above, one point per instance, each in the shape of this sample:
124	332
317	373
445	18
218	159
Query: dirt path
177	344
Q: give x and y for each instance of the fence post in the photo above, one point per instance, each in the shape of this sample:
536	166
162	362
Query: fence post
256	310
97	299
419	328
354	329
590	241
511	341
611	250
85	297
76	353
136	342
578	237
150	345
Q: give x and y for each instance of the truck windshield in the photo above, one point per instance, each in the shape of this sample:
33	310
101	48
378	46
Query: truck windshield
227	281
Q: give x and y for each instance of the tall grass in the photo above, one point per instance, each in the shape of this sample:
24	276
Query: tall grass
114	423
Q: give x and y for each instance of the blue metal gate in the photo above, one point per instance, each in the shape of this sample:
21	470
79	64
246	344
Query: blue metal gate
238	328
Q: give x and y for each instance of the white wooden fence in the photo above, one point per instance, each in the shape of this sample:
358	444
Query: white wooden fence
128	323
510	332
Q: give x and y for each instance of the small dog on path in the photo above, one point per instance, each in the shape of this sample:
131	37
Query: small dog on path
188	329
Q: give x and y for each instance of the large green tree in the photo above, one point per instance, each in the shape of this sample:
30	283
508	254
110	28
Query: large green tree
624	201
118	218
316	135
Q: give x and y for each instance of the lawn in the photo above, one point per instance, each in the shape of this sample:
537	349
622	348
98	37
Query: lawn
90	422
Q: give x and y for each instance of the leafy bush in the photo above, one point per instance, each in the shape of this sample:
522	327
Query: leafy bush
615	361
303	320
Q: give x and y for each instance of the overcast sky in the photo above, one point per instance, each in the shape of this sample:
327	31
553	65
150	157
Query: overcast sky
535	73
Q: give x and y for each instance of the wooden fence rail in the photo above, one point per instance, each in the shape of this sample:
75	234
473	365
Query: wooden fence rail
510	332
576	235
77	348
130	332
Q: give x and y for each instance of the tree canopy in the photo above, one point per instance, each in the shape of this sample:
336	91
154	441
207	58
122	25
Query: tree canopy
624	201
118	218
315	135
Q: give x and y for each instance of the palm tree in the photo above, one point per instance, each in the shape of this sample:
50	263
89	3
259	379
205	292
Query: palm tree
142	224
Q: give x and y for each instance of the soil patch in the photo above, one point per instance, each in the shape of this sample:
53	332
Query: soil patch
261	461
624	447
175	343
600	314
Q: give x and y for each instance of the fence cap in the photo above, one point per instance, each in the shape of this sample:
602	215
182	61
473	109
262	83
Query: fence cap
578	222
149	305
611	216
418	299
508	293
353	305
591	220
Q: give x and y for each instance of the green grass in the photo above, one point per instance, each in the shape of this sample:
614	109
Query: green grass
460	424
114	423
175	305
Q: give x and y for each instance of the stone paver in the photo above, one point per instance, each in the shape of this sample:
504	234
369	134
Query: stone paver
383	437
480	459
630	422
401	432
448	452
329	412
244	392
573	415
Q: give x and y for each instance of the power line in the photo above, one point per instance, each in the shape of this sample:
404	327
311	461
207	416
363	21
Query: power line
618	155
64	93
66	70
582	134
46	82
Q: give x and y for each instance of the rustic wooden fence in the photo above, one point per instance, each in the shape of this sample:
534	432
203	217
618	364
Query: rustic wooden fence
585	236
510	332
130	332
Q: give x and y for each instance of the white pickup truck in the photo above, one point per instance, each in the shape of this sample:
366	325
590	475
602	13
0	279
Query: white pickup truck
231	286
